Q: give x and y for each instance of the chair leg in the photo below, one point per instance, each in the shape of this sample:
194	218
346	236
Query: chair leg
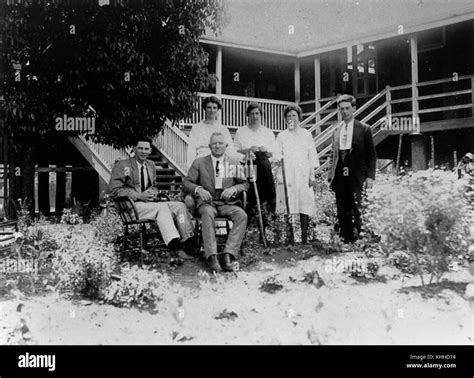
142	243
124	243
198	235
145	237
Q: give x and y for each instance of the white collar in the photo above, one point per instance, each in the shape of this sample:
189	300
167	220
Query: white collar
350	124
141	164
220	159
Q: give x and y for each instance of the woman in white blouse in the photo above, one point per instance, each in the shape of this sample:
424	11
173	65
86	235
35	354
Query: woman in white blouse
296	145
200	134
259	142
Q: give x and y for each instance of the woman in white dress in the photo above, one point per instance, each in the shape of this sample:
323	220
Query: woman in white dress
259	142
200	133
296	146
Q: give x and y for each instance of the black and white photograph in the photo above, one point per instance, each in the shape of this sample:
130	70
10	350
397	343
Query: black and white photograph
237	172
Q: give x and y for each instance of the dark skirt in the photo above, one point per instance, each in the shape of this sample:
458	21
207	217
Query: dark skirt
265	184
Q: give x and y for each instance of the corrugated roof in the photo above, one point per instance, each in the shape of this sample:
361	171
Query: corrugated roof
296	26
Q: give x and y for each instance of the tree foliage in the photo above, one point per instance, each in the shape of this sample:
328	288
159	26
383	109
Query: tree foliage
131	64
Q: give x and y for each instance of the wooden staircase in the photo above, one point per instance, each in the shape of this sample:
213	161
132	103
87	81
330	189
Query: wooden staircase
103	157
167	178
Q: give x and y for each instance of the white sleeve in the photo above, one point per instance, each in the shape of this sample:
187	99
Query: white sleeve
231	150
237	141
278	147
312	153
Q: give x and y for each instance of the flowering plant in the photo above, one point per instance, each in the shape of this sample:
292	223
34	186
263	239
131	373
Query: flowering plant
423	214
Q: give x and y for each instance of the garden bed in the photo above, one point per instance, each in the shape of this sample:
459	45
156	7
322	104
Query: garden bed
402	283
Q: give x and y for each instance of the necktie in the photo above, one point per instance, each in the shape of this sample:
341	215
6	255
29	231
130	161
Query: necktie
142	177
217	168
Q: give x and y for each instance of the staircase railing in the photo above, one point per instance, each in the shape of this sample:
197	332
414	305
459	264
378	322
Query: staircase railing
173	144
319	112
100	156
322	140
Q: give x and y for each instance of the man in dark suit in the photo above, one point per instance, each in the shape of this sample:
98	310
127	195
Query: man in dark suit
352	167
136	178
215	181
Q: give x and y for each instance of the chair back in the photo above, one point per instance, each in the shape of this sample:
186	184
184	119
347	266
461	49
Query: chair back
126	209
8	210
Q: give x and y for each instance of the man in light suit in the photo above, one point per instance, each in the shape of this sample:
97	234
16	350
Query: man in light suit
215	181
352	167
136	178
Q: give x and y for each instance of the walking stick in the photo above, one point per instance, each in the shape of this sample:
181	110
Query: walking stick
259	210
288	215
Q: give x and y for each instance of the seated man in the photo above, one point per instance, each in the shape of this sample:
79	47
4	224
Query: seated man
136	178
215	181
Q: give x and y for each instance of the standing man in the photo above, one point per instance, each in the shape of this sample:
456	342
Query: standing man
215	181
352	167
136	178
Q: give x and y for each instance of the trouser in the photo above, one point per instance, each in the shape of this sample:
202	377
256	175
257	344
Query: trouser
348	212
348	199
304	223
172	219
238	217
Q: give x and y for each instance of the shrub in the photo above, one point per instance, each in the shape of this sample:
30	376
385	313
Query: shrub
423	214
107	224
83	264
137	287
70	217
36	240
24	216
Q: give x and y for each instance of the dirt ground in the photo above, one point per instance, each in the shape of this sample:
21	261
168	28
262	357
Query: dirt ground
278	300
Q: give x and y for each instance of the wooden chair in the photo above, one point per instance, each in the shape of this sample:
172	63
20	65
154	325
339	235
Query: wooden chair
129	215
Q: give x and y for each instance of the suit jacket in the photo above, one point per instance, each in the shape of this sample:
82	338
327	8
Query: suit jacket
202	174
363	153
125	179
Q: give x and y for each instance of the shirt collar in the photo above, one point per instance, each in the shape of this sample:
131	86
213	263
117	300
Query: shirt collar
349	124
214	159
141	164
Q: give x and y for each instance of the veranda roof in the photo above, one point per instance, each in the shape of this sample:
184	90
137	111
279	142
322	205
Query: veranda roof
299	26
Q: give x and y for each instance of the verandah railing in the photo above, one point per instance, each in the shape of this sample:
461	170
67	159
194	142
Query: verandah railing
457	95
233	112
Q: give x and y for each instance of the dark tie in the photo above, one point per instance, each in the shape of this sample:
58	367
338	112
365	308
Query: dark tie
217	168
142	177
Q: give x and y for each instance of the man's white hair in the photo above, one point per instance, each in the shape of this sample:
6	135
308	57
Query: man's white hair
217	133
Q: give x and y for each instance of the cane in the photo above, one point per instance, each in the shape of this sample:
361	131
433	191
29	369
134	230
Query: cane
259	210
288	215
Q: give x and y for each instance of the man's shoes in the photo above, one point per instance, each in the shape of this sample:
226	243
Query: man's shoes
190	246
214	264
183	255
227	263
